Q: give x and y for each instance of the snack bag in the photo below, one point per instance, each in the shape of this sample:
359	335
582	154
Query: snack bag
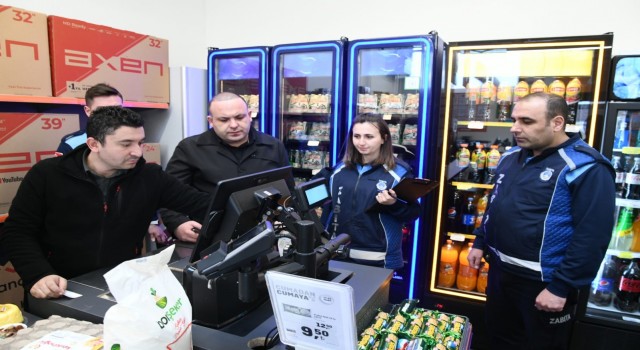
153	311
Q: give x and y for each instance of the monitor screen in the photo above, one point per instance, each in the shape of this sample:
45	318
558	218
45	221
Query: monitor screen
238	68
307	64
387	61
235	206
312	194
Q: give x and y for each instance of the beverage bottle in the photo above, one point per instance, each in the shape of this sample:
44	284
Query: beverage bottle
632	181
602	288
557	87
474	176
628	289
481	207
467	275
481	160
521	90
617	167
621	136
483	276
635	241
505	96
488	99
454	212
448	265
473	98
572	96
468	216
464	155
623	232
493	157
538	86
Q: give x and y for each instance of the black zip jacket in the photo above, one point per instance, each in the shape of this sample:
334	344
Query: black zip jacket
61	223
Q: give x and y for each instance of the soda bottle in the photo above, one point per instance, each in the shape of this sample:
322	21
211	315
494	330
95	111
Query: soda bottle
632	181
473	98
623	234
448	265
572	96
469	216
464	156
505	96
488	99
483	276
617	166
602	288
635	241
454	212
481	207
629	289
474	176
620	139
481	160
467	275
493	157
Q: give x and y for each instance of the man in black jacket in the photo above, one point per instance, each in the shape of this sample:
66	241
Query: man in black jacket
230	149
90	209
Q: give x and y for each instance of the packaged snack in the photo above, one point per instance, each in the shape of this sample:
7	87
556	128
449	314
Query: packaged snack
319	131
394	130
254	103
299	103
319	103
390	103
411	103
367	103
298	130
410	134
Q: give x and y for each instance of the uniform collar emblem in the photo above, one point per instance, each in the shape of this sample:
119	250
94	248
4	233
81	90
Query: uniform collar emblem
381	185
546	174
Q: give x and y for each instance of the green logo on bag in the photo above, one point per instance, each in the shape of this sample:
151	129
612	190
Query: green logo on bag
170	314
115	347
161	302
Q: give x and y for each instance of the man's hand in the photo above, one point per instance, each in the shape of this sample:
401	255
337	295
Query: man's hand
157	234
188	231
475	257
547	301
52	286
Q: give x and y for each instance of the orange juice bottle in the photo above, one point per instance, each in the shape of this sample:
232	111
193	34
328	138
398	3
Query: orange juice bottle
448	265
481	207
482	277
467	275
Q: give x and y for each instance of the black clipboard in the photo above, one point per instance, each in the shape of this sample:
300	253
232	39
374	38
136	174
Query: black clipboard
409	190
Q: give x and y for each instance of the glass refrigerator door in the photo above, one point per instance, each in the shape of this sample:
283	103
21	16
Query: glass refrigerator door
243	72
307	92
395	78
613	298
483	82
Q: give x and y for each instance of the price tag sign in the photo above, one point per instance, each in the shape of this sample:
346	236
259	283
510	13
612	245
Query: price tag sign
313	143
312	314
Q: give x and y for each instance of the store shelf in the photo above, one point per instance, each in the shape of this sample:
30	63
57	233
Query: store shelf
470	185
477	124
74	101
615	252
631	203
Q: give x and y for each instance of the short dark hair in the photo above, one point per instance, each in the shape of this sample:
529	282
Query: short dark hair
353	157
100	90
556	105
226	96
105	121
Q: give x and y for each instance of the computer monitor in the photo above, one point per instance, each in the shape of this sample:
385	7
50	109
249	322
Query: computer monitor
312	194
235	206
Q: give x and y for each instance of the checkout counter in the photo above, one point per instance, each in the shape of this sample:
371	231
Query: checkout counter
370	285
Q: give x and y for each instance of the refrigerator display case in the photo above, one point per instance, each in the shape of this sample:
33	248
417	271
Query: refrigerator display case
483	81
400	79
609	314
307	83
242	71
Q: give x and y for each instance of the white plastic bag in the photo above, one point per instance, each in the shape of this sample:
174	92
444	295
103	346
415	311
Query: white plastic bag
153	311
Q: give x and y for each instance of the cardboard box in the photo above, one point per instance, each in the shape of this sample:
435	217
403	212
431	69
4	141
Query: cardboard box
151	153
11	291
84	54
26	138
24	52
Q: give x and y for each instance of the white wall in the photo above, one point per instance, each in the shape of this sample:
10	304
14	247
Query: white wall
253	22
193	25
